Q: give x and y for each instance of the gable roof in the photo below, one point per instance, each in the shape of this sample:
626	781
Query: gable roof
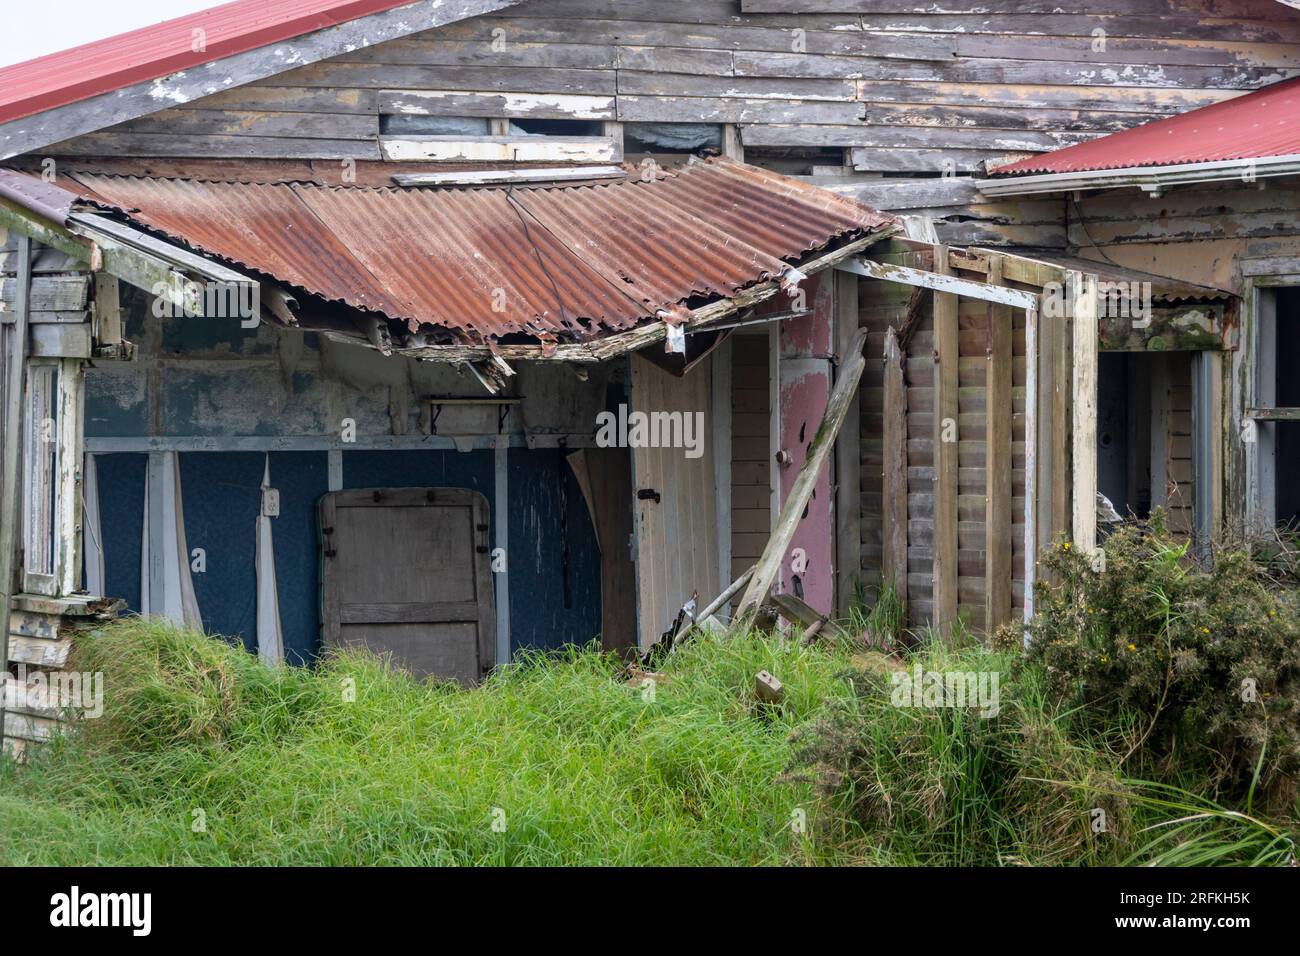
109	81
1258	125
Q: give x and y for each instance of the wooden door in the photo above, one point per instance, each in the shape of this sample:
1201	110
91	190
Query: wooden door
406	572
676	511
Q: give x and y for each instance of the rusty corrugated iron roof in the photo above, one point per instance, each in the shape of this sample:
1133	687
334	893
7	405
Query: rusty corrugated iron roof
1257	125
547	261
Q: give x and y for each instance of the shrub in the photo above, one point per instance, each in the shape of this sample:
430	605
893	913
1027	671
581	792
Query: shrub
949	786
1202	666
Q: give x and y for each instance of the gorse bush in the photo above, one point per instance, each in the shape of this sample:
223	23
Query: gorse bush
1200	666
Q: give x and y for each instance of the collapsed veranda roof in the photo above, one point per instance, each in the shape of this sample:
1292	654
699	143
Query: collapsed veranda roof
1258	125
551	262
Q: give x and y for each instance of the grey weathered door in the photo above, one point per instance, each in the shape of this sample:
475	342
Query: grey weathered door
406	572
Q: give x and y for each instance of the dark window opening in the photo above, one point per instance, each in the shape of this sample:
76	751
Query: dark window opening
795	160
555	127
1124	432
671	142
399	124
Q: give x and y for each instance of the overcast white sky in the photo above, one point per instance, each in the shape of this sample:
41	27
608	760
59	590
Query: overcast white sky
34	29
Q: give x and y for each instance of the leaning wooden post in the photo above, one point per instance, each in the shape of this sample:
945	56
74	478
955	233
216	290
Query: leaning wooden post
11	476
769	563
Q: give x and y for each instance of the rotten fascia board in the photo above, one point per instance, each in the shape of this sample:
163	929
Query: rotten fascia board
940	283
16	218
1150	179
100	252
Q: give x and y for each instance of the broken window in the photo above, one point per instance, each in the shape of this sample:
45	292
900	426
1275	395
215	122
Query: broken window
797	160
40	461
555	127
401	124
670	143
1272	426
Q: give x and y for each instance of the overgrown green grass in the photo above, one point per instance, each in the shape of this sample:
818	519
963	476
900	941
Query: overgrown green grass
282	767
205	756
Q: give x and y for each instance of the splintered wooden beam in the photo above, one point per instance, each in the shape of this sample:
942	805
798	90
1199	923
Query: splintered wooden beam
894	478
819	449
997	469
945	438
939	281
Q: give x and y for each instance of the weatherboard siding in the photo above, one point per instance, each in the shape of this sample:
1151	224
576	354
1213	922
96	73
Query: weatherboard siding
901	90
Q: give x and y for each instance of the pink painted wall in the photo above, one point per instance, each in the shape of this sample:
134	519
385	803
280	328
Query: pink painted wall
806	348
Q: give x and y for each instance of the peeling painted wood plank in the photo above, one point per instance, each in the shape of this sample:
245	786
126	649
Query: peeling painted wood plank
939	281
729	109
200	147
523	149
490	104
879	136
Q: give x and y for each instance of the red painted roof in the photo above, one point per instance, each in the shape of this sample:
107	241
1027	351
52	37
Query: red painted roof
1254	126
164	48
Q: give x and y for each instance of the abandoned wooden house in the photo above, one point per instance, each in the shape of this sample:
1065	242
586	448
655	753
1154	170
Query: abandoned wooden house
461	328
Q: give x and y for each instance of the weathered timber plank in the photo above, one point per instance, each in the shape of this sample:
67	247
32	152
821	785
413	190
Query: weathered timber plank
894	478
945	452
997	519
510	105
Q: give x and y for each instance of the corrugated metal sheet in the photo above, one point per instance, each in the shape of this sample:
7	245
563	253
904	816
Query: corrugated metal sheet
561	261
1254	126
164	48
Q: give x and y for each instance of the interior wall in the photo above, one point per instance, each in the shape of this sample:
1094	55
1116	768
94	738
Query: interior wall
209	379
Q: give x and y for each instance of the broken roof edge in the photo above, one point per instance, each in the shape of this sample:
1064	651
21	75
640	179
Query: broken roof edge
700	319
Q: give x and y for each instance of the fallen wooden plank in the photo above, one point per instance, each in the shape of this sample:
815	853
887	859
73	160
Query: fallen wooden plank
768	689
796	610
